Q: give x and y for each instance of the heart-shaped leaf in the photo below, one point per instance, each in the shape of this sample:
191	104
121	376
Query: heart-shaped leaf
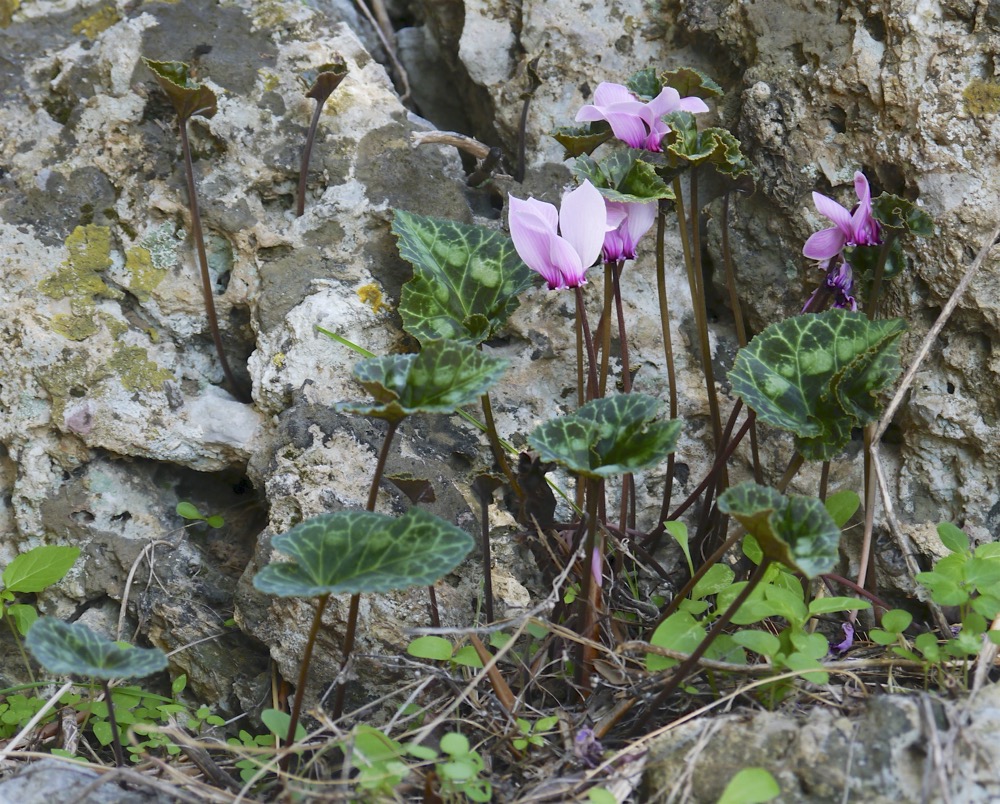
188	97
819	375
713	145
355	552
579	140
442	377
690	82
898	213
39	568
796	531
72	648
623	176
466	278
607	437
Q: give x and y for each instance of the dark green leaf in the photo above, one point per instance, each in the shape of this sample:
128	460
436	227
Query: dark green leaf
623	176
188	97
691	83
864	259
579	140
607	437
466	278
796	531
358	552
72	648
898	213
39	568
443	377
645	83
818	375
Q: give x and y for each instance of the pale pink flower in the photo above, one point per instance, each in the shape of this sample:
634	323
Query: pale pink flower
621	241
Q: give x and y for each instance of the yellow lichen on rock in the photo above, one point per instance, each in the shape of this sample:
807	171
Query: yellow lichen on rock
371	294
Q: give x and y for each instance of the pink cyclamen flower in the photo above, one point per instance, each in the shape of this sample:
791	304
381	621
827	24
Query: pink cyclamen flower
560	246
857	229
636	217
638	124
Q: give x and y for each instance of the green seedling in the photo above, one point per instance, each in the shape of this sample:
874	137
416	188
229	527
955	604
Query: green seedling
328	78
190	99
73	649
750	786
357	552
190	512
533	734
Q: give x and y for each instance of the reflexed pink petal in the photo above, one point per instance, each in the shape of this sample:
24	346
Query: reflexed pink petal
862	189
532	235
608	93
589	113
562	255
693	105
596	567
824	244
640	218
616	213
583	222
829	208
669	100
548	214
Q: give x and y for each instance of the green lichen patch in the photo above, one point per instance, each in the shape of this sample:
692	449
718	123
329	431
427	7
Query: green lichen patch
982	97
99	21
143	274
131	364
162	243
79	280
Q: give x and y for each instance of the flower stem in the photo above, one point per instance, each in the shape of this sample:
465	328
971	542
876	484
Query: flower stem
496	447
626	520
668	351
604	326
300	198
206	277
581	314
352	614
590	589
304	676
116	741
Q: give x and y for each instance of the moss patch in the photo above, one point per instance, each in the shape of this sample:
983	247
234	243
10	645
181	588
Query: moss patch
100	20
982	97
79	280
131	364
371	295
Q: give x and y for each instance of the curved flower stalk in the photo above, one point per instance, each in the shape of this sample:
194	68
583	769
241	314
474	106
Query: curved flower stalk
849	229
635	123
560	245
839	283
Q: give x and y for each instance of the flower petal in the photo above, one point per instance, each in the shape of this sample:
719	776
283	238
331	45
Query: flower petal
566	262
669	100
533	228
693	105
824	244
640	218
829	208
608	93
583	222
627	126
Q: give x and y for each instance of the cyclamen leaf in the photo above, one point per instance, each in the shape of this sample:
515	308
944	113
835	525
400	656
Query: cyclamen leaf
39	568
795	531
358	552
72	648
579	140
690	82
326	79
818	375
714	145
623	176
898	213
188	97
466	278
645	83
608	437
443	377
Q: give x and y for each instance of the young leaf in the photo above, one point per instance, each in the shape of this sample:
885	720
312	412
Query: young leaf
72	648
829	605
188	97
607	437
953	537
466	278
443	377
39	568
579	140
23	616
680	632
358	552
796	531
430	647
750	786
818	375
762	642
187	510
718	577
324	80
679	532
842	505
277	721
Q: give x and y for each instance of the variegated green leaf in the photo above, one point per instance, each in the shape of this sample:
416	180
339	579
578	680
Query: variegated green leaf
608	437
818	375
72	648
579	140
714	145
355	552
623	176
466	278
442	377
796	531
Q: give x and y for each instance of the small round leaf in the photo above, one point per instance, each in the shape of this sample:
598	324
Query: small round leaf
72	648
